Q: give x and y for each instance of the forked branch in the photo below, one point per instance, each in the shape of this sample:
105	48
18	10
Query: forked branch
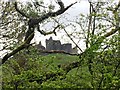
35	22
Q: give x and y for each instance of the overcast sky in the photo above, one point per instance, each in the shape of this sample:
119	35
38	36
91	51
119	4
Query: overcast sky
72	13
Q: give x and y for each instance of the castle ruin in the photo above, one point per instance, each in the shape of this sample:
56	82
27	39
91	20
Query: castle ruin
57	46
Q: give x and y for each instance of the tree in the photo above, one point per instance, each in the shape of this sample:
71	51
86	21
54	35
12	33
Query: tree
98	65
32	23
103	22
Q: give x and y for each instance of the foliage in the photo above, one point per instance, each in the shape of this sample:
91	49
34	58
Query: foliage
40	71
98	66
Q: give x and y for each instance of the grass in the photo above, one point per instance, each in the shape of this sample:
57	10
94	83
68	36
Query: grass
60	58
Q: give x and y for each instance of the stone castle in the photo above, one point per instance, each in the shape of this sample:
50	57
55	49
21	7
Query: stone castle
57	46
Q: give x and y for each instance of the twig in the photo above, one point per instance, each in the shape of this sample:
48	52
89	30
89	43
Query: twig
73	40
23	14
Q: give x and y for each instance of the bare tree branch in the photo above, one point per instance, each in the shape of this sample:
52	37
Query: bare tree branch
31	24
61	4
35	21
47	33
73	40
23	14
24	45
111	32
117	7
89	24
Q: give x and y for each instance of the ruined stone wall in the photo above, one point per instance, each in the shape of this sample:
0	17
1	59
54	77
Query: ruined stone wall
67	47
40	47
56	45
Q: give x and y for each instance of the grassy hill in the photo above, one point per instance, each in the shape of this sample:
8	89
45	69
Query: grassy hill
60	58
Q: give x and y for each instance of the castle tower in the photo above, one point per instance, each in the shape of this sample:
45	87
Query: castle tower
53	44
49	44
56	45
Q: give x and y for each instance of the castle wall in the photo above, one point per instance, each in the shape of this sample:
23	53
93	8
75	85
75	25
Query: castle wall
56	45
67	47
39	46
